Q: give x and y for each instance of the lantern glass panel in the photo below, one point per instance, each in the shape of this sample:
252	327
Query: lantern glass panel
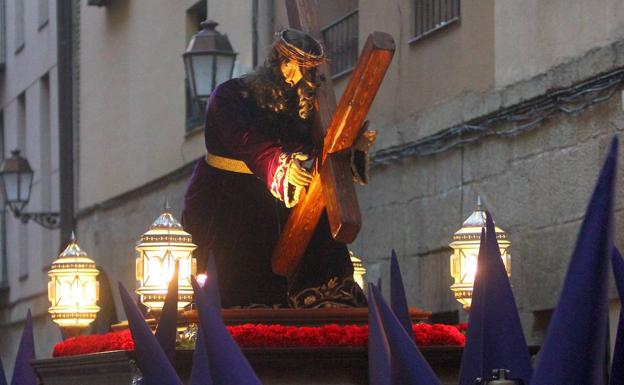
25	181
159	268
225	63
188	66
10	181
203	72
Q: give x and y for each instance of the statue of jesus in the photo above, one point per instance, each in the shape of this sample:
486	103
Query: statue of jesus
258	139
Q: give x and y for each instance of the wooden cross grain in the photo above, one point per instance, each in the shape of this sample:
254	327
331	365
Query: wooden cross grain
332	186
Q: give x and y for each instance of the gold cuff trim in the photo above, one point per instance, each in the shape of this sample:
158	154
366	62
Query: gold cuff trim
227	164
280	176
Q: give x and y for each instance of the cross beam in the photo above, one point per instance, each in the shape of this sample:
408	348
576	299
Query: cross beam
332	186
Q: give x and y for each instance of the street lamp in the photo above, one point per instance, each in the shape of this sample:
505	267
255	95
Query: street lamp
73	289
158	250
17	177
208	60
466	242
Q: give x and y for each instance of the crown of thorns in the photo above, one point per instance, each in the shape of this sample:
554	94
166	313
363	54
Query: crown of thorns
296	54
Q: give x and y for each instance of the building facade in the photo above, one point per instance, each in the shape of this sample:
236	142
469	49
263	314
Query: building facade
29	123
511	101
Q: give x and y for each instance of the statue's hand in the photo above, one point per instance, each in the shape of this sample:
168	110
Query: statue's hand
359	154
297	174
366	140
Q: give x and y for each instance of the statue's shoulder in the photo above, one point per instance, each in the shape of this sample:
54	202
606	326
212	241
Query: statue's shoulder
233	88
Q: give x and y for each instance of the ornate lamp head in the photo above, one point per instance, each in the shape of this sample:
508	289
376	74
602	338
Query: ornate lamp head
73	290
465	246
158	249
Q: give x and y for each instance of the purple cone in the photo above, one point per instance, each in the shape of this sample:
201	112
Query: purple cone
408	365
228	365
574	348
23	373
398	301
378	348
167	325
617	364
152	360
494	339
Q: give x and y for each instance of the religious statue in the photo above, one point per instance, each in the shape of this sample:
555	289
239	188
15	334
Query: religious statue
258	160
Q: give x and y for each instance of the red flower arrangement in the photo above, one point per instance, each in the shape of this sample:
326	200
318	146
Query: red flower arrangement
272	336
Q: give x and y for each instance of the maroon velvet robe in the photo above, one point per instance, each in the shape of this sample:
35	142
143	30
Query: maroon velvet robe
237	217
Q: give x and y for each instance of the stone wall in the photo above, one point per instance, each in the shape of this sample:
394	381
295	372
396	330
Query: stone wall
536	185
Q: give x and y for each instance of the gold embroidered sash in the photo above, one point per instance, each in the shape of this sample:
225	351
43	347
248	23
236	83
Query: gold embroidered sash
227	164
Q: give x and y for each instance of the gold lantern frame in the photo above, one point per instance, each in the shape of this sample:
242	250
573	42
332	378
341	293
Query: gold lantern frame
465	245
359	271
158	250
73	289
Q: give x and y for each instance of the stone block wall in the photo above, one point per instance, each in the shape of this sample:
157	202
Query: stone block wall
536	185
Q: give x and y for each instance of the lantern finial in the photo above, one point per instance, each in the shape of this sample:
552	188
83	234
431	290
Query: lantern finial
209	24
479	205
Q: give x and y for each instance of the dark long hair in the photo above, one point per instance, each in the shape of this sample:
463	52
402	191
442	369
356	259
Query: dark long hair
269	89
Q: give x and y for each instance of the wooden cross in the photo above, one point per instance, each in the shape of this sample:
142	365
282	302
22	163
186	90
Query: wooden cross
332	186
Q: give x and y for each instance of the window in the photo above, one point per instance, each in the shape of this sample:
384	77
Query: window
21	122
432	15
21	144
194	108
44	13
19	25
2	34
341	43
4	278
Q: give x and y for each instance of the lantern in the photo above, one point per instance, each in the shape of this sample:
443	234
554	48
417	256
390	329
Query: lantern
158	250
17	177
208	60
359	271
465	246
73	290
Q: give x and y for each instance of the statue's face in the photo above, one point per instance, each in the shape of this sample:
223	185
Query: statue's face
291	72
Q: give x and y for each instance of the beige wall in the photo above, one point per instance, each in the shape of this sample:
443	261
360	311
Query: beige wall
132	111
535	35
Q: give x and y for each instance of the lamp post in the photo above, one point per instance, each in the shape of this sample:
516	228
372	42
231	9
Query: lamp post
158	249
208	60
73	290
17	178
466	242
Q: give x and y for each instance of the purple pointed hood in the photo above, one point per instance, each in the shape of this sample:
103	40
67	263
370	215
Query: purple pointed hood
152	360
574	348
167	325
405	356
398	300
23	373
617	365
228	365
495	338
378	348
